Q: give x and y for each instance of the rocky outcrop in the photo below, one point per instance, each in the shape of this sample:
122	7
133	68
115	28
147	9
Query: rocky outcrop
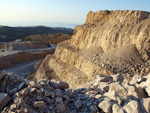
20	95
109	42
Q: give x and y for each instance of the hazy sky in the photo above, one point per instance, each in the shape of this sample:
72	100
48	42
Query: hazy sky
44	12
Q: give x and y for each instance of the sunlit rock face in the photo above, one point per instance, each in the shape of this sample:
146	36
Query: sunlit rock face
109	42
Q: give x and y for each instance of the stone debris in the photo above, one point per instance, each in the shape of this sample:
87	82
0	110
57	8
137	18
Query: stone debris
145	105
60	107
78	104
103	78
114	94
13	91
38	104
132	107
117	109
4	100
59	84
118	77
118	88
106	105
3	75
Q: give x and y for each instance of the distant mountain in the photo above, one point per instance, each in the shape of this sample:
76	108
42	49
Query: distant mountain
11	33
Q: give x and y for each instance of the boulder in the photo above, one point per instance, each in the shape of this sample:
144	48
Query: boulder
106	105
48	93
38	104
145	85
118	77
116	108
145	105
4	100
103	78
58	92
59	84
114	96
132	107
68	92
60	107
134	92
143	79
78	104
25	91
104	86
98	96
13	106
3	74
58	100
36	85
4	84
118	88
135	79
13	91
21	85
38	97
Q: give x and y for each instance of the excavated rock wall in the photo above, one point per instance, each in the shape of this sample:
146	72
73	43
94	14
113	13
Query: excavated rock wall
113	29
108	42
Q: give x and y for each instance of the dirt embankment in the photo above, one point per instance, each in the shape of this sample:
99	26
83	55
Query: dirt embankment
27	45
11	60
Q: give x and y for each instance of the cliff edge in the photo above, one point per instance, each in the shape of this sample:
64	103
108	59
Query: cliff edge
109	42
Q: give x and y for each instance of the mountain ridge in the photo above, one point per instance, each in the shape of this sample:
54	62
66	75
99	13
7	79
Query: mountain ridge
11	33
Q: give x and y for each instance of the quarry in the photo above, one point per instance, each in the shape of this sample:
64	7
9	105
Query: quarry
103	68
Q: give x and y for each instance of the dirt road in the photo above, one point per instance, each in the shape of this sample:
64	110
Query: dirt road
24	68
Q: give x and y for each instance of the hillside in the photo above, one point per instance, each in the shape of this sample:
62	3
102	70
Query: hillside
48	38
11	33
109	42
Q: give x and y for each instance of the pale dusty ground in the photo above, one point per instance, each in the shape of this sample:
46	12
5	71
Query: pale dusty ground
23	68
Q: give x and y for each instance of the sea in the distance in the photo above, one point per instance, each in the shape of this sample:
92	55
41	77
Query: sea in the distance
61	25
66	25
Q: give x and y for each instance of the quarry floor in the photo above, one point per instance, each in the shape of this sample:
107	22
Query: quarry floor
26	67
23	68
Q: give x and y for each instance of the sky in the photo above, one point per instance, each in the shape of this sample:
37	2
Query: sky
60	13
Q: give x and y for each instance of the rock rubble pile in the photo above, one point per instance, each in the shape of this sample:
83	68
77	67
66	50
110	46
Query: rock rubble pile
110	94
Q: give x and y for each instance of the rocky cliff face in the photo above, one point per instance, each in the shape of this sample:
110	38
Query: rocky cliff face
108	42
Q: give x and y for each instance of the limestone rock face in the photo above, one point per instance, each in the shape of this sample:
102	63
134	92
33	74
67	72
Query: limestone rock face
109	42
